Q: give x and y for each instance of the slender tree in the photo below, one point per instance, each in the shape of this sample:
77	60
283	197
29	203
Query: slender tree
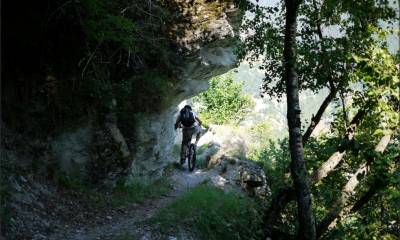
298	166
334	62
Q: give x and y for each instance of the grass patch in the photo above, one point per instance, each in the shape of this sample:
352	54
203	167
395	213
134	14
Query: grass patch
125	236
201	149
201	161
213	214
136	191
72	183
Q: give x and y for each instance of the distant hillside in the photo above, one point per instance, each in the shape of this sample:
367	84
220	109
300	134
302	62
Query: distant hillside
273	109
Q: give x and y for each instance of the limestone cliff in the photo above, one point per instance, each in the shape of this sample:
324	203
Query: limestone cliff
113	136
208	51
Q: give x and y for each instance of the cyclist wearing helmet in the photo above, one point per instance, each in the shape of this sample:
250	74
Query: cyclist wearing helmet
191	125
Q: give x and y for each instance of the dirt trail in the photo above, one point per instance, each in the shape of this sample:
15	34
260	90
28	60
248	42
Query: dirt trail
135	221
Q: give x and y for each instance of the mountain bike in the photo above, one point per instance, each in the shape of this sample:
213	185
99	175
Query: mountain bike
190	156
190	150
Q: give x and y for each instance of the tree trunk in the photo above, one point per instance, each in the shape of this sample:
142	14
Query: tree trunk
273	212
336	157
298	167
374	188
315	119
338	210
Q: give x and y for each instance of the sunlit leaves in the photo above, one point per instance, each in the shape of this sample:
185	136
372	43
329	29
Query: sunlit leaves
224	102
341	45
376	71
329	31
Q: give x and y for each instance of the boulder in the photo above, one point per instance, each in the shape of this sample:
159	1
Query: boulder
242	176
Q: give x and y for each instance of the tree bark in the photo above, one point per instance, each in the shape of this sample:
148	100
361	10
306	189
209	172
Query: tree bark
338	209
315	119
298	167
374	188
273	212
336	157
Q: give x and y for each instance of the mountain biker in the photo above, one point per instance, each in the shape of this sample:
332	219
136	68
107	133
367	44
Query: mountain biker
191	125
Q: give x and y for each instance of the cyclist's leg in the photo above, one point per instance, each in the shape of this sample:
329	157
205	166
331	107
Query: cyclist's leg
198	134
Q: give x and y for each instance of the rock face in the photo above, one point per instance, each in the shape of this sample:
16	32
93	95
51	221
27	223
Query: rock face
110	155
72	150
223	141
204	34
208	52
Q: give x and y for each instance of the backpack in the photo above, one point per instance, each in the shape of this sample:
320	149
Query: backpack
187	117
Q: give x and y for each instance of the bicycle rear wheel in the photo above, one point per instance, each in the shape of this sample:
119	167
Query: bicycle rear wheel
192	157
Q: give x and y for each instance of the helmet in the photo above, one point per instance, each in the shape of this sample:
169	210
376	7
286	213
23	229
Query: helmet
188	107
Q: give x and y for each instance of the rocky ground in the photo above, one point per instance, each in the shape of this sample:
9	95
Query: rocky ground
41	210
134	220
52	213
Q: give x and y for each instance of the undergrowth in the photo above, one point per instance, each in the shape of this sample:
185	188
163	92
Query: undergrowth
212	214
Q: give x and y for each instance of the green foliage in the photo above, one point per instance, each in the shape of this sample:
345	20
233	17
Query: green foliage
354	60
376	70
270	153
213	214
126	61
224	102
102	23
274	157
322	57
377	219
374	218
122	55
261	132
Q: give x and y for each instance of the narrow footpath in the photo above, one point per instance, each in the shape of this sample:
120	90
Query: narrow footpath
135	221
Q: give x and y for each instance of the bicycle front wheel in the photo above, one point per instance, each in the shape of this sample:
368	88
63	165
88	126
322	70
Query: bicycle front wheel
192	157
